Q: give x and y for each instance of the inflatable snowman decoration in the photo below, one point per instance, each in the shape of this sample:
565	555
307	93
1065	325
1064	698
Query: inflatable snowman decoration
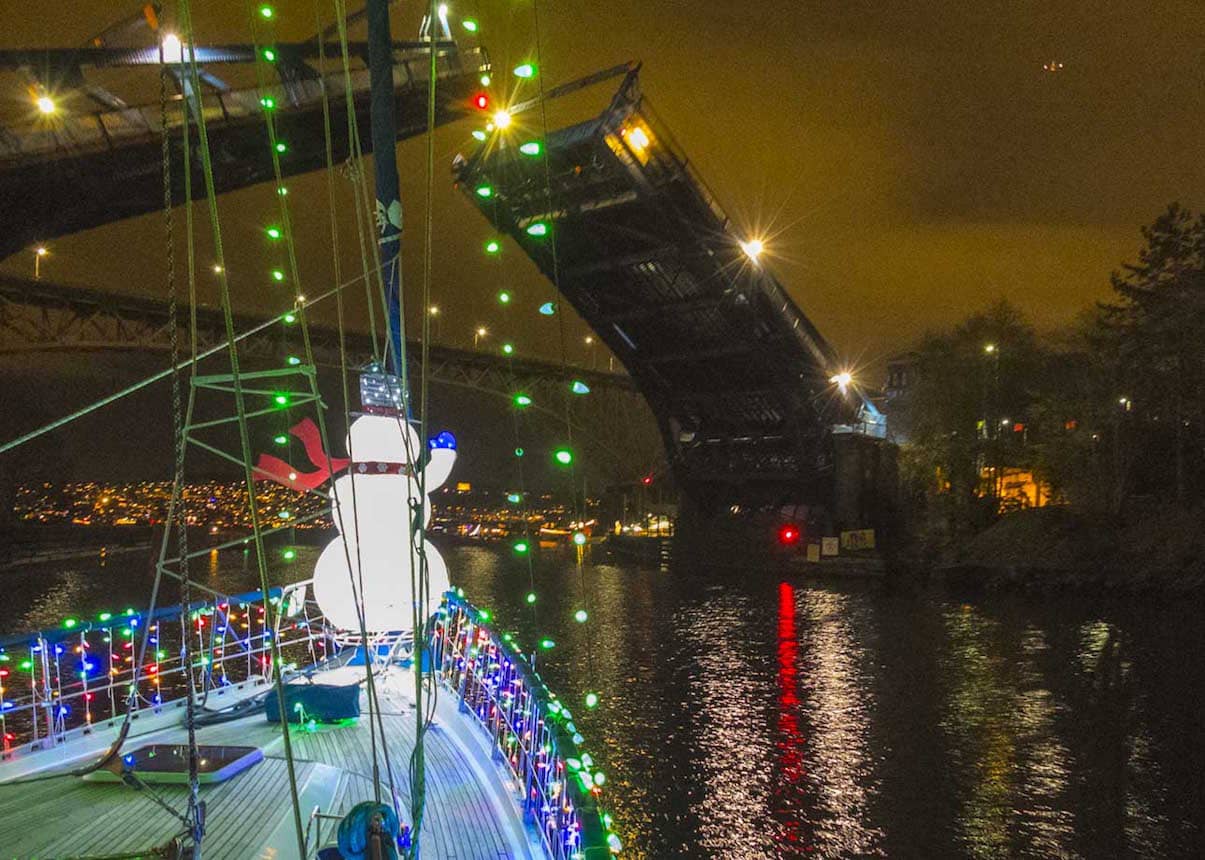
375	552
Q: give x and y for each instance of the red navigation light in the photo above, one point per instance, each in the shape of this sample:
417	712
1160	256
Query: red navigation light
788	535
481	101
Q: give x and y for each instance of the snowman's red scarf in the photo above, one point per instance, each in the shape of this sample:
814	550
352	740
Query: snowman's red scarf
269	468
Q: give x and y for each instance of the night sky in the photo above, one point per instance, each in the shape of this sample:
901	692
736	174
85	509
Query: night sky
908	162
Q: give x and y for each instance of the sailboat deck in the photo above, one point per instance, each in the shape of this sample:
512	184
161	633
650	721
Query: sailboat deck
471	809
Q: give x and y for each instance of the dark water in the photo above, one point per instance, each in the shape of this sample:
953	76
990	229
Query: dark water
754	716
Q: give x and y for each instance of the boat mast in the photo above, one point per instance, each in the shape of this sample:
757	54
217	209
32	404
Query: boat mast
384	158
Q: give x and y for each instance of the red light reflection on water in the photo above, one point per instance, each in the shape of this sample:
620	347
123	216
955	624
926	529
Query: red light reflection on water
791	786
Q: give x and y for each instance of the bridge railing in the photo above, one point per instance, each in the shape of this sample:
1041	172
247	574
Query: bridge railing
532	732
76	133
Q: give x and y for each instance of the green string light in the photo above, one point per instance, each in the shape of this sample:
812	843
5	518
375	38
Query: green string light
273	233
532	147
281	439
278	275
592	701
521	547
267	12
290	318
282	147
269	55
563	456
581	616
522	401
547	644
293	361
492	246
268	103
478	134
537	229
525	70
469	24
531	597
579	387
281	399
484	191
508	348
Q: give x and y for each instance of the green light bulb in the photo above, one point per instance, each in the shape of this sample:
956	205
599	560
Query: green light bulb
537	229
273	232
485	80
532	147
284	515
269	55
69	623
282	439
281	146
579	387
579	538
294	361
278	275
268	103
504	298
290	554
484	191
548	309
290	318
469	24
581	616
492	246
521	547
105	616
518	452
508	348
531	597
267	12
478	134
522	401
563	456
547	644
526	70
592	701
514	498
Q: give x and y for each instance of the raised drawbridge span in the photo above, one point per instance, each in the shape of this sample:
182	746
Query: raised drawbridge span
748	395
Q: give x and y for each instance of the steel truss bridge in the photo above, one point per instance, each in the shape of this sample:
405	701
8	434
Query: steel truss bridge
96	158
37	316
741	382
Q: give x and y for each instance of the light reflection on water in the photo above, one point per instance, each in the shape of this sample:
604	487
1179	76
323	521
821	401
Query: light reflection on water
747	716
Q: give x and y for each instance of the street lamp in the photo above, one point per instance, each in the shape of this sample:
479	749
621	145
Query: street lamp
589	341
38	253
842	380
478	334
753	249
989	348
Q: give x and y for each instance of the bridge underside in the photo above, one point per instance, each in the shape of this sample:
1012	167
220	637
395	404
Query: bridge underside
76	172
738	377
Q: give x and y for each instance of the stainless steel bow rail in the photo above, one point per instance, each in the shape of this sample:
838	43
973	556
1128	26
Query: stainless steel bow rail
64	684
531	730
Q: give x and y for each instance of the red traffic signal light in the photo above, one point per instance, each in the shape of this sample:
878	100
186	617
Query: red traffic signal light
788	535
481	101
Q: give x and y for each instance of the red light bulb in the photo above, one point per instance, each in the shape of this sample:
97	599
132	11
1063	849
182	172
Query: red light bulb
482	101
788	535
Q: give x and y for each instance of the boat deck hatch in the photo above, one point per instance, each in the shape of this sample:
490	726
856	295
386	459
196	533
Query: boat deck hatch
168	763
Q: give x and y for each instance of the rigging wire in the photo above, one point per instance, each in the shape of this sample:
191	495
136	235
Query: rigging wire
194	818
185	16
545	150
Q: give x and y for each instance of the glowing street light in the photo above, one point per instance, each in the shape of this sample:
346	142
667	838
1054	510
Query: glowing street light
433	310
753	249
38	253
478	334
989	348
